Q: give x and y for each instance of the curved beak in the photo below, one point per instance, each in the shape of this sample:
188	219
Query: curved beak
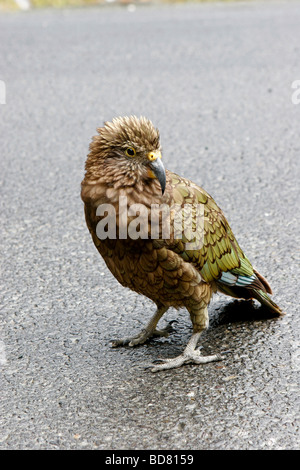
157	169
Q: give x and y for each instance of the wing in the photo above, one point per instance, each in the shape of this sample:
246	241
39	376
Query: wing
217	255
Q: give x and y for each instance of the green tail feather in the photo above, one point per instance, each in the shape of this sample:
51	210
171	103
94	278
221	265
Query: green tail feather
244	293
264	299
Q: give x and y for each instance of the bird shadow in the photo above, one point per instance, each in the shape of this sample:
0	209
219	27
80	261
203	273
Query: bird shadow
240	311
224	314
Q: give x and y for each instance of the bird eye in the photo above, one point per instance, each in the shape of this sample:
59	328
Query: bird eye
130	152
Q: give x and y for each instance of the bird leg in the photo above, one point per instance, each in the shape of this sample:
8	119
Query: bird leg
199	317
189	355
147	332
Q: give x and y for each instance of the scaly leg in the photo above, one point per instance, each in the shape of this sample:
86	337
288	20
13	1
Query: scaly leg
189	355
147	332
199	317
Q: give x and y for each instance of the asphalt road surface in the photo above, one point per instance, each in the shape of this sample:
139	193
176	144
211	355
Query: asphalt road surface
217	81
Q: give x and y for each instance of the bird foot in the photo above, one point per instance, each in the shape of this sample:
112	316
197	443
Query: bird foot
165	331
186	357
143	336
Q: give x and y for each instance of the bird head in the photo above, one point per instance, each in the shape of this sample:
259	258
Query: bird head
132	145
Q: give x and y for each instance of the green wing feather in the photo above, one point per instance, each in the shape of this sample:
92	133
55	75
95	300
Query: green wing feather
218	249
218	256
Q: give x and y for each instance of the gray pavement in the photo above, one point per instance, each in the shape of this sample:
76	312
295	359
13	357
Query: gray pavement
216	79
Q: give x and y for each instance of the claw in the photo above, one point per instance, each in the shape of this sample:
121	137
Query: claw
119	342
143	336
138	339
165	331
146	333
189	355
185	358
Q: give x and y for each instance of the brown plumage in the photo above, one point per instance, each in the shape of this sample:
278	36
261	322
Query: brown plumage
125	161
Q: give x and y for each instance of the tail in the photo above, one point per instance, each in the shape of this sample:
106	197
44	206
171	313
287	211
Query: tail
246	287
265	300
262	295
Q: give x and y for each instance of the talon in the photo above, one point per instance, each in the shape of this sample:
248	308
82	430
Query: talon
146	333
189	355
165	331
119	342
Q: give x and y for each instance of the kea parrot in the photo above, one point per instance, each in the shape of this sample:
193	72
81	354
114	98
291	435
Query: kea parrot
125	188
